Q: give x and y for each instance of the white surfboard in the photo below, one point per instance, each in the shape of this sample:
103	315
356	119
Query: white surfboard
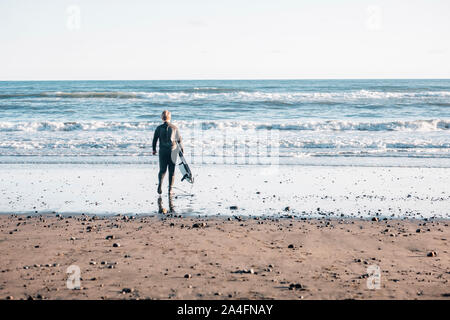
184	167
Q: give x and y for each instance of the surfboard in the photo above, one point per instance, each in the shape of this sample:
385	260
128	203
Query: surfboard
184	167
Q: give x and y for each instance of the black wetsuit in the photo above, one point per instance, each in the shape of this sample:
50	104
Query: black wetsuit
168	135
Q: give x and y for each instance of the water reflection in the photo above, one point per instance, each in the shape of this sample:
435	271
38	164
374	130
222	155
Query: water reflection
161	208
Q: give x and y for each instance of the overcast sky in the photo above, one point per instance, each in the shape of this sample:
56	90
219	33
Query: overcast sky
207	39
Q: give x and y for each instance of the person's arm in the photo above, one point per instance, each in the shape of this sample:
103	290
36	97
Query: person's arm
155	140
178	137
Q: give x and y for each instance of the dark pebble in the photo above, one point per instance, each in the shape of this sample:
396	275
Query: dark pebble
432	254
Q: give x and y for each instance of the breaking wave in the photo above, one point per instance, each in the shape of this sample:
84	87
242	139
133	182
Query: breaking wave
324	125
240	94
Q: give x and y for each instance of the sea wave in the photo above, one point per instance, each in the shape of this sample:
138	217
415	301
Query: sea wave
324	125
116	148
198	93
81	94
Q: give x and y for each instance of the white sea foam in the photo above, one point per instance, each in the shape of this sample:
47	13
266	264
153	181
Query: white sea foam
199	93
324	125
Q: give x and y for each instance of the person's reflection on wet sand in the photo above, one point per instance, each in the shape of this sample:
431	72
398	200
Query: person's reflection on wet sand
161	208
171	206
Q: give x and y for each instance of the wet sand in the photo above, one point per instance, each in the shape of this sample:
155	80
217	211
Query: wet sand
310	191
167	257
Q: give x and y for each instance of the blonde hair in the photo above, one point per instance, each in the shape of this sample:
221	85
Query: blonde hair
166	115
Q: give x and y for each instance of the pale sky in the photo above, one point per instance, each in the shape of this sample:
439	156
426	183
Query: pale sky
227	39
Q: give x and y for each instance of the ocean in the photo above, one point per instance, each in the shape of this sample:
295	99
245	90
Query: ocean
313	122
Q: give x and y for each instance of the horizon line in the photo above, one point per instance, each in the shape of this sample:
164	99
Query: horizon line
218	79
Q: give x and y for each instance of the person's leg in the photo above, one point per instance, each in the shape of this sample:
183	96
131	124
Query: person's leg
162	169
171	172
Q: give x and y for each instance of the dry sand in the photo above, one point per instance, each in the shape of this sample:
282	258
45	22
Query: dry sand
163	257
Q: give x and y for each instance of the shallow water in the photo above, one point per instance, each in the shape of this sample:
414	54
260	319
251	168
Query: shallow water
309	191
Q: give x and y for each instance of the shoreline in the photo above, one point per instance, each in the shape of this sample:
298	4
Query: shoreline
256	191
219	217
164	257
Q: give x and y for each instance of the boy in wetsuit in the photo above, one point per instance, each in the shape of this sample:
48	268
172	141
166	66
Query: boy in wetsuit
168	136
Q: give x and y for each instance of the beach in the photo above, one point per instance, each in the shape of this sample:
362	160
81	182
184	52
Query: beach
235	151
168	257
303	189
239	232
